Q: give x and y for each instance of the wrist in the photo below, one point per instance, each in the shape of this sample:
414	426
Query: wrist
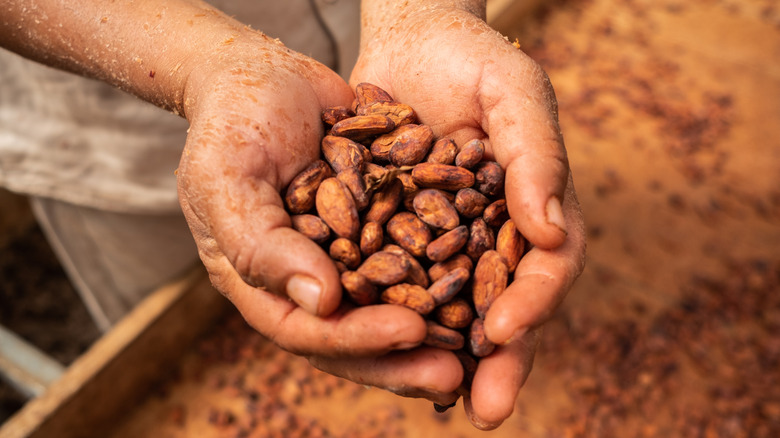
380	17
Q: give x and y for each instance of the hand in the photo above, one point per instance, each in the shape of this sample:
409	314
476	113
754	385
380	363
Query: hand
254	110
466	81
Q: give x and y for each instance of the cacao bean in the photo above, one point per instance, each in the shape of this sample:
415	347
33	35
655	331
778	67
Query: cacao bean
409	232
360	128
479	344
442	337
433	208
445	288
384	268
489	178
446	245
359	288
371	238
417	274
510	244
336	206
455	314
342	153
490	280
367	94
442	176
470	154
345	251
496	213
443	151
302	190
481	239
470	203
409	295
411	146
311	226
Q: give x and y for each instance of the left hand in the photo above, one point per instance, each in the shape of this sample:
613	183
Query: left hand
467	81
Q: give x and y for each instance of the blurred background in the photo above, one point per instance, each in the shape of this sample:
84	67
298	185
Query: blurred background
671	115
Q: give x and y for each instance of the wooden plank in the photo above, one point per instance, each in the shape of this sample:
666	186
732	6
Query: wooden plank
123	365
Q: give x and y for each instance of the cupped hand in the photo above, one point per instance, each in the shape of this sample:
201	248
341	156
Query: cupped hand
254	109
466	81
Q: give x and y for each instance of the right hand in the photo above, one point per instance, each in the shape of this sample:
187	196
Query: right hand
254	110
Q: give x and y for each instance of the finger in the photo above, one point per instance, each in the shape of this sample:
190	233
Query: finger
498	380
263	247
541	281
425	372
521	121
348	332
330	88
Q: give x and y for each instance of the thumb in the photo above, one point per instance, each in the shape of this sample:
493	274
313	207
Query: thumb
522	124
263	250
234	208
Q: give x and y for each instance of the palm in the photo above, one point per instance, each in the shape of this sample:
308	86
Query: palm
466	81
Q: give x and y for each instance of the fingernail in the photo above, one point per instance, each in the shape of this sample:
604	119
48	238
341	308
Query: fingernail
475	420
555	213
405	345
516	335
305	291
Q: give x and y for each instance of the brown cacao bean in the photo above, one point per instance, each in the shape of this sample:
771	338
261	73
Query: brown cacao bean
442	176
490	280
489	178
409	295
411	146
479	344
311	226
367	94
446	245
417	274
510	244
496	213
335	114
470	203
442	337
481	239
401	114
342	153
438	270
455	314
336	206
409	232
383	144
433	208
384	268
443	151
470	154
445	288
353	179
345	251
359	128
385	202
302	190
371	238
359	288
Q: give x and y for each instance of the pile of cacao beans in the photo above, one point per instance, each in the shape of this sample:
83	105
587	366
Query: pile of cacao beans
410	219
